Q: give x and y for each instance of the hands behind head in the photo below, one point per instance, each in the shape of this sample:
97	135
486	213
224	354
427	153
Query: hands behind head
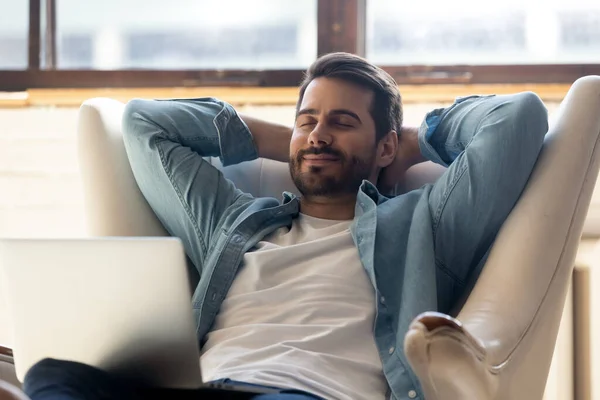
408	155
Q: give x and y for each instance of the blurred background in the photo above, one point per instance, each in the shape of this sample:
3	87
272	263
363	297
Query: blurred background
283	34
54	54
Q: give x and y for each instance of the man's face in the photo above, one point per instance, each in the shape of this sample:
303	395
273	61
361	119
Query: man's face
333	146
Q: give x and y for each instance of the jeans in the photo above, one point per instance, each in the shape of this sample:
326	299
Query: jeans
52	379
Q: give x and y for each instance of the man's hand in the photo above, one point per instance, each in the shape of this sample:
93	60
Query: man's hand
408	155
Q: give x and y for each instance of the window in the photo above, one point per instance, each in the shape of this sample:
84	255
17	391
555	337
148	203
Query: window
186	34
143	43
579	38
13	34
510	32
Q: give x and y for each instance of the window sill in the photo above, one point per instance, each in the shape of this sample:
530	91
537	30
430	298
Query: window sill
280	96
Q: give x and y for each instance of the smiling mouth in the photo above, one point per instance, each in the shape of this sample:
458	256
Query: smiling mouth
320	160
325	157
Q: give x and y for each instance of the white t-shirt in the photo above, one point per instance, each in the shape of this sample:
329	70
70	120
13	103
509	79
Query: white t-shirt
300	315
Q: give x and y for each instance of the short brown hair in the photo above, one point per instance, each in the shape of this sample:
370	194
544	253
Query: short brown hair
386	109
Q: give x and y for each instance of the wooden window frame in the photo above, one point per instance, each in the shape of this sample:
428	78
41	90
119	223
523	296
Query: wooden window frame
340	27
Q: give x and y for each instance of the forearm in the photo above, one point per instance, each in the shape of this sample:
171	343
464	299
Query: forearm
409	150
272	140
408	154
488	125
443	145
484	122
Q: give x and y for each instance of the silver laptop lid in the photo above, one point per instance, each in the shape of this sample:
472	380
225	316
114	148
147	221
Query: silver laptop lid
120	304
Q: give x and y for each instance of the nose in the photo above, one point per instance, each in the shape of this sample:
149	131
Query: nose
319	137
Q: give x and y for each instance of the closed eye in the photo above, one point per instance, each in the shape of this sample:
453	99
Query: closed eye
306	120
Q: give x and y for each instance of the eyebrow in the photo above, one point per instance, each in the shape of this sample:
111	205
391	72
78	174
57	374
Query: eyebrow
339	111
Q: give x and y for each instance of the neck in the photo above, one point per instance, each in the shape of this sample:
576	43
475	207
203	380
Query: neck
337	208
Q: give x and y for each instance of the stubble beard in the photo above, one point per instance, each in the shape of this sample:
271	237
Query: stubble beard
316	182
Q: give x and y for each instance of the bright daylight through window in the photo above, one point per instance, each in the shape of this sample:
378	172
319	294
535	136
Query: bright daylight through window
443	32
186	34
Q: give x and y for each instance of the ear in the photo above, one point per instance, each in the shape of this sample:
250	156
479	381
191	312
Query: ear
387	148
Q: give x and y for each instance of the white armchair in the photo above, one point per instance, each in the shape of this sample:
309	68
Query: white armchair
500	345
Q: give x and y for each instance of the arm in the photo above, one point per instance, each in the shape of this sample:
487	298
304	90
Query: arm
490	145
166	141
272	140
408	154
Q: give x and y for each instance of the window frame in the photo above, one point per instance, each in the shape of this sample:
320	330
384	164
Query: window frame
341	26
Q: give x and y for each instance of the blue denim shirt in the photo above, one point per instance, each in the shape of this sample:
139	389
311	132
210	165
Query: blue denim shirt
418	249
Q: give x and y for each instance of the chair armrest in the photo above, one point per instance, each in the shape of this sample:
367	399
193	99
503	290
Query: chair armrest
448	359
113	202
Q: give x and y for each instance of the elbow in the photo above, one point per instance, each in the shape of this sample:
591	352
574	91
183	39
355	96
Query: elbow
526	126
134	120
530	113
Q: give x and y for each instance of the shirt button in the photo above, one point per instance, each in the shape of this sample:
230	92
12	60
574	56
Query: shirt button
382	300
391	351
237	239
412	394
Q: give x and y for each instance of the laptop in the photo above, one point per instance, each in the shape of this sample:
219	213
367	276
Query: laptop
120	304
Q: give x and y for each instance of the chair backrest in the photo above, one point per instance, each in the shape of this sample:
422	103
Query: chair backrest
114	204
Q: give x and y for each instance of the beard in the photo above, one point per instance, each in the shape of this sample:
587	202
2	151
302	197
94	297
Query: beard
318	181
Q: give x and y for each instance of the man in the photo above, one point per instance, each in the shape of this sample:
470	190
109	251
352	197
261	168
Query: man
315	293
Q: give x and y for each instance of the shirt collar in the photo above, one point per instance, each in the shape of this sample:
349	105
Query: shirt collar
366	187
288	196
371	190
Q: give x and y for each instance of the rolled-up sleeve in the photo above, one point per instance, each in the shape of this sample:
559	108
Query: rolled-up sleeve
236	143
